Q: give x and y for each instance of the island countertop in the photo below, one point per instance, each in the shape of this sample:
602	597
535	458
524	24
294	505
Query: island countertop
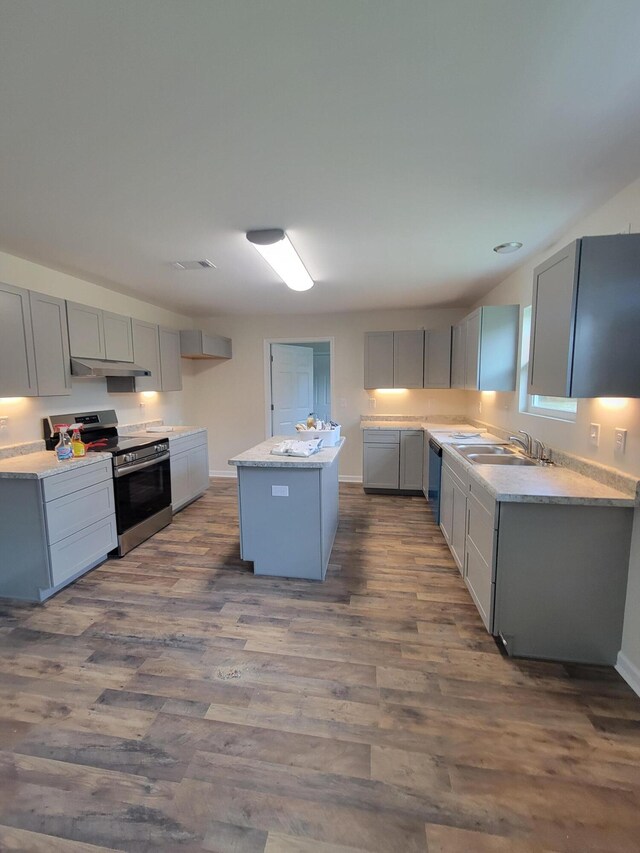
260	456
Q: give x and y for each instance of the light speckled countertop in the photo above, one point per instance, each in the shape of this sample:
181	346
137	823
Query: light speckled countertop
173	432
541	484
36	466
260	456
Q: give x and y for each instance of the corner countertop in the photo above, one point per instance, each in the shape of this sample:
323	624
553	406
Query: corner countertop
174	432
260	456
542	484
36	466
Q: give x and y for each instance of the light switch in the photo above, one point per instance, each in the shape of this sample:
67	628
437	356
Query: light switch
372	402
279	491
621	439
594	434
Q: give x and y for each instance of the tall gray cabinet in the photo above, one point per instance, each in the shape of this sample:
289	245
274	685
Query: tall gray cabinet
51	344
585	320
17	356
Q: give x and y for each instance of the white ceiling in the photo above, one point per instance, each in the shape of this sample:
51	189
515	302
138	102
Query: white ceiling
396	142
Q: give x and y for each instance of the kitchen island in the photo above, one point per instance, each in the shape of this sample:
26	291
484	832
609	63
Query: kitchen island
288	509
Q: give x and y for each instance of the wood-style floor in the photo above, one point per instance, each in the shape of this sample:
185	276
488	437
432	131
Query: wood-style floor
171	701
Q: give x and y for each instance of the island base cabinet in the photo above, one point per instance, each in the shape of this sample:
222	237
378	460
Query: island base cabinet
288	519
561	580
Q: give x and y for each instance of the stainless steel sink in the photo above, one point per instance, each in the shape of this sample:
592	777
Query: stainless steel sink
498	459
493	449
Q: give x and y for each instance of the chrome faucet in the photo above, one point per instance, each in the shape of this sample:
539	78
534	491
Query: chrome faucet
541	452
525	443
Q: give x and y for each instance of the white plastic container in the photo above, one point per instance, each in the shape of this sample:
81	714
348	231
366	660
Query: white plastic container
330	437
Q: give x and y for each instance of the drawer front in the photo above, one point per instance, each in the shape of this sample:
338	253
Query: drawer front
453	474
187	442
458	469
71	513
68	481
382	436
485	499
82	549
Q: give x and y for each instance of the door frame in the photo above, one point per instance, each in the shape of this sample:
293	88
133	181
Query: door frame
267	371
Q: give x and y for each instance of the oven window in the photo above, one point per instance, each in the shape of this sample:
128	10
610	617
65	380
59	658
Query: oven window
141	494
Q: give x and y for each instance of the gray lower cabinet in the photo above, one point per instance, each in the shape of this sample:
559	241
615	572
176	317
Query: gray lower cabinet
453	508
55	529
189	468
437	358
411	460
393	460
548	579
51	344
584	298
170	364
17	357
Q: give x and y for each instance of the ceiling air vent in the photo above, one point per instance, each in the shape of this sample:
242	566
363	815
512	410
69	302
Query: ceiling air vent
206	264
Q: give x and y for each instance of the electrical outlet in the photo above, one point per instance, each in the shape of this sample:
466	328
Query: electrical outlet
594	434
621	439
343	402
142	404
372	402
4	421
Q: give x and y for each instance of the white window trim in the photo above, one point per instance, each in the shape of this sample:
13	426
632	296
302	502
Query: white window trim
526	403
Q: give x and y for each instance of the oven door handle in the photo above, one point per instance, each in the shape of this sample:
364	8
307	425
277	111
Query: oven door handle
131	469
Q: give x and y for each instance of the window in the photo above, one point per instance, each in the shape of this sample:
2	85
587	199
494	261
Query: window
563	408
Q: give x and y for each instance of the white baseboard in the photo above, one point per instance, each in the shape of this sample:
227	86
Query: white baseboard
349	478
629	671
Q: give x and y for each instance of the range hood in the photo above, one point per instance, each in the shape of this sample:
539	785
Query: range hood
88	367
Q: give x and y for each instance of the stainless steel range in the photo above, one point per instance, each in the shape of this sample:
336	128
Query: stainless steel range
141	473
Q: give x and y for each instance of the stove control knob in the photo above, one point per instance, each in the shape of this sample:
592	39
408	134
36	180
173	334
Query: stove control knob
160	448
129	457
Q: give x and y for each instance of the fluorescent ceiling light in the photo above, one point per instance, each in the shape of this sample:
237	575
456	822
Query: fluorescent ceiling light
275	247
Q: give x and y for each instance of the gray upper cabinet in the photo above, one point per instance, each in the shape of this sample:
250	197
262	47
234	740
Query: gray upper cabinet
472	351
485	349
94	333
86	331
194	343
51	344
378	360
459	338
118	337
170	364
437	358
585	320
17	357
146	353
408	359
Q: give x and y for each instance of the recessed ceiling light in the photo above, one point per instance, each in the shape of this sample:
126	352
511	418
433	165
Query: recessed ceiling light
277	250
205	264
507	248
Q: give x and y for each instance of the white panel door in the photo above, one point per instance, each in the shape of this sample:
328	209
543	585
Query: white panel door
291	387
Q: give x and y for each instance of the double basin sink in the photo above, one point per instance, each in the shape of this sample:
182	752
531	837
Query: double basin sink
492	454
